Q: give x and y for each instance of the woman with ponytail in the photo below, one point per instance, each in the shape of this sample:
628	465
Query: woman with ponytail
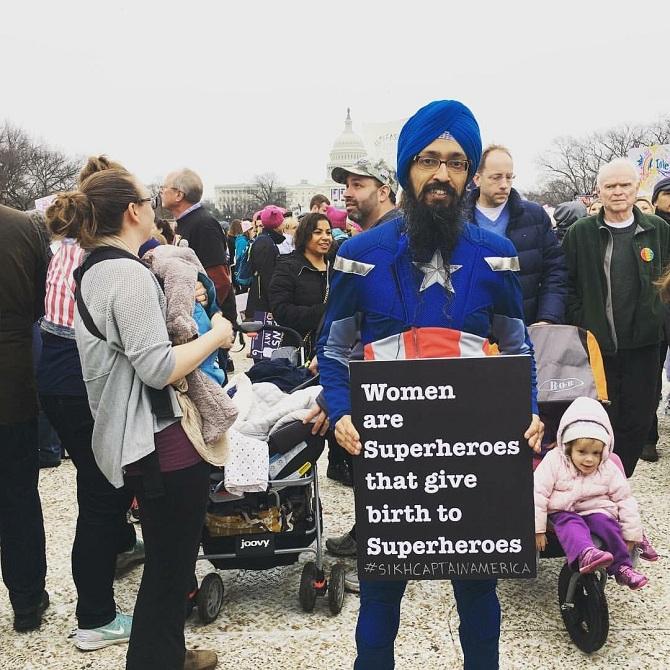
104	540
128	366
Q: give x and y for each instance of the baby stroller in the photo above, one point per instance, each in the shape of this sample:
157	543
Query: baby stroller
263	530
569	365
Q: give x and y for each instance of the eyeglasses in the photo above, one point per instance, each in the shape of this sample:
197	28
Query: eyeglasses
433	164
171	188
155	201
497	178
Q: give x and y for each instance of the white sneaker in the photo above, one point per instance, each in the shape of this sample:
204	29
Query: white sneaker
115	632
351	583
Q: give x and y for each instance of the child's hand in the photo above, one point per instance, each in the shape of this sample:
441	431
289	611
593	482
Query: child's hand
201	293
540	541
631	545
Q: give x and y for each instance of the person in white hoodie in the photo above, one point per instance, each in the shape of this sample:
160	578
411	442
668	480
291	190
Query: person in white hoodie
582	492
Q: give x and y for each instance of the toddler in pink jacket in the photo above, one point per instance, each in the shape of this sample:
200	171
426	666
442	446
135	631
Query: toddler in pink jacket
582	492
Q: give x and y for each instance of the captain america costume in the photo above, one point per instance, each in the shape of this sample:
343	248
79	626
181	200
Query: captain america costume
377	291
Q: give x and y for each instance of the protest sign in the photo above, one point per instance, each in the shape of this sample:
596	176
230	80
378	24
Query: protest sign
444	483
267	341
653	164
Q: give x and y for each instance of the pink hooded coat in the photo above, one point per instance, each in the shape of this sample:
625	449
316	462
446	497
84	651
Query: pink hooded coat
561	487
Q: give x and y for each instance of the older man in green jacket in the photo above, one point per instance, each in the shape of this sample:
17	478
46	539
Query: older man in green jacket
613	260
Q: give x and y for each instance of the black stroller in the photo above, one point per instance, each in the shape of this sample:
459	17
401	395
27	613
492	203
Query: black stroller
569	365
259	531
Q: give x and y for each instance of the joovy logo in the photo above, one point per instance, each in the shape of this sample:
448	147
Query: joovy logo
255	545
558	385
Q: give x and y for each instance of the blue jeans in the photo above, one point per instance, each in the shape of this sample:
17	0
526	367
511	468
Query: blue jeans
379	619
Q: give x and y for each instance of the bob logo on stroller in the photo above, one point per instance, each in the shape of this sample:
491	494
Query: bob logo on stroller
255	545
558	385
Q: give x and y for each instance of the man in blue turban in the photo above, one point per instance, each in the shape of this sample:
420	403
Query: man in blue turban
424	268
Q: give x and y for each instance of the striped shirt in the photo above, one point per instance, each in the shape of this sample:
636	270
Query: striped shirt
59	301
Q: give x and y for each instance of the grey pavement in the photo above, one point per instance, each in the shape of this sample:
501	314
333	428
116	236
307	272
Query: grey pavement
262	625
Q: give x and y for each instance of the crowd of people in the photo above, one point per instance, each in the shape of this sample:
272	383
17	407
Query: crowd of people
122	307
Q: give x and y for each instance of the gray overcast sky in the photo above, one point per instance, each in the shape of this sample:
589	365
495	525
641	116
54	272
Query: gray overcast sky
235	89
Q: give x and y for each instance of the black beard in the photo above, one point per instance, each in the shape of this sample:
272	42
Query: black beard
664	215
432	227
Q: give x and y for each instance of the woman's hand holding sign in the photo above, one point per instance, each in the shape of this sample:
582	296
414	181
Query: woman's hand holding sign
347	436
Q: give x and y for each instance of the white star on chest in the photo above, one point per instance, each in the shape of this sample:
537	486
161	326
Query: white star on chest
434	272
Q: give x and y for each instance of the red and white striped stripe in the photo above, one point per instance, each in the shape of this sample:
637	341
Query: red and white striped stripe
59	301
429	343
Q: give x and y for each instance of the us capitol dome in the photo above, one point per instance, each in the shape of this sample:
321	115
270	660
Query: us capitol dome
347	148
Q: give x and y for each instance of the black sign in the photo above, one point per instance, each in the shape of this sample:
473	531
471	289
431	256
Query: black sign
444	483
255	545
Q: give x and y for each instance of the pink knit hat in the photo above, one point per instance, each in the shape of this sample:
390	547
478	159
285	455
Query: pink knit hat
337	217
272	216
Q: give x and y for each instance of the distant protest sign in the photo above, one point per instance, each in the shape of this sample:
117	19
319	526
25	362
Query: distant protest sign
444	482
653	164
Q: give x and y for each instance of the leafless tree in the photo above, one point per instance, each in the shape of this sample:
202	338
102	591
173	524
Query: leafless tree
571	165
268	191
30	170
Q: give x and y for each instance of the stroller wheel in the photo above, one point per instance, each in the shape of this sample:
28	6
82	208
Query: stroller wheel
210	597
587	621
191	596
336	588
307	592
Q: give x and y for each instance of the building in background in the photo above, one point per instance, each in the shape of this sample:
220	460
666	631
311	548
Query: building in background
241	200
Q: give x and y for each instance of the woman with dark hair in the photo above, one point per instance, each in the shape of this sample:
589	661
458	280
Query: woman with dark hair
301	279
165	229
129	366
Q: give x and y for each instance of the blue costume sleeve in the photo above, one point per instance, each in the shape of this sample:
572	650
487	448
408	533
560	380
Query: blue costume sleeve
508	328
339	334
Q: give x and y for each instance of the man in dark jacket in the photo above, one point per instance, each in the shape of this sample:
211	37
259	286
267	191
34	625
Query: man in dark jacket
496	206
181	194
24	257
613	260
660	199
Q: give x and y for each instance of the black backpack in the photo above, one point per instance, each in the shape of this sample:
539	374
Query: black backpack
160	399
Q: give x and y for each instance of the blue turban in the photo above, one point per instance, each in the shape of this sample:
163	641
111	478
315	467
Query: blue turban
428	124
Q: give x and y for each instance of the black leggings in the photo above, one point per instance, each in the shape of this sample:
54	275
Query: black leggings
171	528
102	527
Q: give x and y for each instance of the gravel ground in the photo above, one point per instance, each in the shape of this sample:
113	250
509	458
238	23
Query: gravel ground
262	623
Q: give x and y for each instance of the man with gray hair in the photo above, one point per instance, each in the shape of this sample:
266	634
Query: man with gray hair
181	194
613	260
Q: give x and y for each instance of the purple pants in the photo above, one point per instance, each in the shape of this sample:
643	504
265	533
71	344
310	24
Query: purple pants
574	534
